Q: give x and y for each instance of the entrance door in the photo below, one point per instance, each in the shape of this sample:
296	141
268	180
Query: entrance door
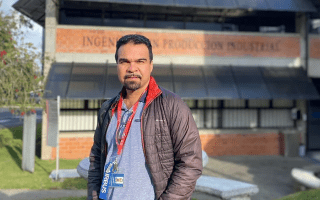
313	134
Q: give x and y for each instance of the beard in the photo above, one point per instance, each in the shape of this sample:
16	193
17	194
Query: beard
132	85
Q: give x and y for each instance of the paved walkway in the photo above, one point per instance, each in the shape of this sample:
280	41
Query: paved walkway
272	174
24	194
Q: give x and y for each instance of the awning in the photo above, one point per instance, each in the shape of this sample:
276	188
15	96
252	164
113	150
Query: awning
35	9
100	81
261	5
82	81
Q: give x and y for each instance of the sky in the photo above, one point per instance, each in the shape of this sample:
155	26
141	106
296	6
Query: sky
34	36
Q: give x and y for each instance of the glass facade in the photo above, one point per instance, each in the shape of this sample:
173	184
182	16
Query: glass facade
240	113
122	15
81	115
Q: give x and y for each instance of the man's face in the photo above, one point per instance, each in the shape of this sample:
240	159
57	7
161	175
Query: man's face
134	66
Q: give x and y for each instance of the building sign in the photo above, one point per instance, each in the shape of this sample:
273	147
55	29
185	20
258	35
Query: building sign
181	43
315	47
52	107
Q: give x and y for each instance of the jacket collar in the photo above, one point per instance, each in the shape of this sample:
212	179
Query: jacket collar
153	91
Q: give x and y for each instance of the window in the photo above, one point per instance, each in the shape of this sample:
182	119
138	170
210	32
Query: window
263	103
241	113
276	118
239	118
79	115
235	103
121	14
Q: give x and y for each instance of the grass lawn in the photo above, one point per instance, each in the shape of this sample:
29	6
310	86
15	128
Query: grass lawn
305	195
78	198
13	177
69	198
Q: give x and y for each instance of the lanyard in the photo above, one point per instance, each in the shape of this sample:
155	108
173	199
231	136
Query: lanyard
128	124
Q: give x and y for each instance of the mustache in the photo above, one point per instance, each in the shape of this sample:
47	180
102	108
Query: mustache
132	75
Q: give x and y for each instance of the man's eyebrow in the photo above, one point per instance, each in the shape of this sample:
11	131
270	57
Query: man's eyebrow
123	59
140	59
137	60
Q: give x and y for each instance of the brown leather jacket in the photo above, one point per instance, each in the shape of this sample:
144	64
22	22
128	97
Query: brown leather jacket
171	145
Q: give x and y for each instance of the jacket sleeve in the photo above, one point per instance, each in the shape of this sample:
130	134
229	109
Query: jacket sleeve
187	153
94	173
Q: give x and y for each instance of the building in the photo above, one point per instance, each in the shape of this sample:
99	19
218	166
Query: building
243	67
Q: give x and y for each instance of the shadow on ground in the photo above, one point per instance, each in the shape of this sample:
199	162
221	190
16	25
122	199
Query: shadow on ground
14	155
272	174
4	196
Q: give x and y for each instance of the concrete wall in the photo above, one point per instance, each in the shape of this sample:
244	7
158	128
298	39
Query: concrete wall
49	53
302	123
90	44
314	56
241	142
214	142
302	30
73	145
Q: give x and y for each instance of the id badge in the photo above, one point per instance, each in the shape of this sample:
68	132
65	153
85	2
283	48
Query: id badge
116	180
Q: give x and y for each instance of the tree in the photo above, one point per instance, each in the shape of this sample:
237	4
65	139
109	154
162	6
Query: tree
20	80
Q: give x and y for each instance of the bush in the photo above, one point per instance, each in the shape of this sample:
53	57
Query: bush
5	139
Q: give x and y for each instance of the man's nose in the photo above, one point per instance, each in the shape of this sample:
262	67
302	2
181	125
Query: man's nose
132	67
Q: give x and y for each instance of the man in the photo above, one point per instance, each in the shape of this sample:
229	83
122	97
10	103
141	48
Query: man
146	144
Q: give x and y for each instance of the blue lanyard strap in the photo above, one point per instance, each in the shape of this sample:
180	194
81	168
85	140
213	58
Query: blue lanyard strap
105	182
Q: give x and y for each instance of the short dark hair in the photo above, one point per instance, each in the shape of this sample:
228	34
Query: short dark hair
135	39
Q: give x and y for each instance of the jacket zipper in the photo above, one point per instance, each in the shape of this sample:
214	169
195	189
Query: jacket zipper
142	140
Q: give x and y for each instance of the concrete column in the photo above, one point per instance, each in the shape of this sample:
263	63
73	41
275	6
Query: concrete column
51	22
301	123
29	142
302	28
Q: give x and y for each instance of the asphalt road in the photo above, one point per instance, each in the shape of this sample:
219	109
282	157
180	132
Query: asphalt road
8	120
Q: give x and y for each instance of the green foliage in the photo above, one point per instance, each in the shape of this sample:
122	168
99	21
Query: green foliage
13	177
78	198
305	195
74	184
19	76
11	137
69	198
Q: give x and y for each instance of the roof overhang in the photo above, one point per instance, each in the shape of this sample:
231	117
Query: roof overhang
35	9
100	81
261	5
